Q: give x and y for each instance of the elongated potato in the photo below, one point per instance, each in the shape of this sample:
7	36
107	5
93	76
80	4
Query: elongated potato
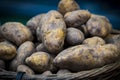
99	26
39	61
76	18
65	6
53	31
16	32
82	57
7	51
26	69
24	51
94	41
2	64
74	36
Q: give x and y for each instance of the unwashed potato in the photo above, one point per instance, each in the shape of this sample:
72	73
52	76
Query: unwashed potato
41	47
65	6
83	57
53	31
24	51
74	36
7	51
47	73
39	61
2	64
63	71
94	41
76	18
16	32
26	69
99	26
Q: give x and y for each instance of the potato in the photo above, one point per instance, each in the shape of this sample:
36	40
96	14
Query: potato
53	31
83	57
39	61
99	26
2	64
74	36
34	22
47	73
24	51
94	41
7	51
16	32
65	6
76	18
41	47
63	71
26	69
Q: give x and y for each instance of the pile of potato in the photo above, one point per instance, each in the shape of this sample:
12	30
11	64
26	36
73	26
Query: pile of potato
56	42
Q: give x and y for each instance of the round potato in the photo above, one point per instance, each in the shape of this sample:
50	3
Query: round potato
7	51
76	18
53	31
16	32
26	69
94	41
83	57
65	6
74	36
24	51
99	26
39	61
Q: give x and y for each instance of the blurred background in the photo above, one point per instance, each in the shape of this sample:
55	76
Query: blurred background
23	10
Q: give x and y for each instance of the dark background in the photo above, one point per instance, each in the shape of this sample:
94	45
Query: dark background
23	10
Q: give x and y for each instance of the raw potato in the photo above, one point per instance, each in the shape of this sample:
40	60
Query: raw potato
26	69
65	6
77	18
83	28
39	61
2	64
41	47
94	41
99	26
47	73
74	36
24	51
7	51
34	22
82	57
16	32
53	31
63	71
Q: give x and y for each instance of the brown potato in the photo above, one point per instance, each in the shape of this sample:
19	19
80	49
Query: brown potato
2	64
65	6
24	51
53	31
94	41
82	57
26	69
47	73
76	18
99	26
74	36
41	47
16	32
39	61
34	22
7	51
63	71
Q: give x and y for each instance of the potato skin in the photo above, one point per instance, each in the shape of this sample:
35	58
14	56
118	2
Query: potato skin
7	51
63	71
94	41
41	47
98	26
26	69
53	31
65	6
76	18
39	61
47	73
16	32
24	51
74	36
82	57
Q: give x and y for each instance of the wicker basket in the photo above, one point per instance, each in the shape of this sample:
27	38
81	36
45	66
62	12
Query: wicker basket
107	72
